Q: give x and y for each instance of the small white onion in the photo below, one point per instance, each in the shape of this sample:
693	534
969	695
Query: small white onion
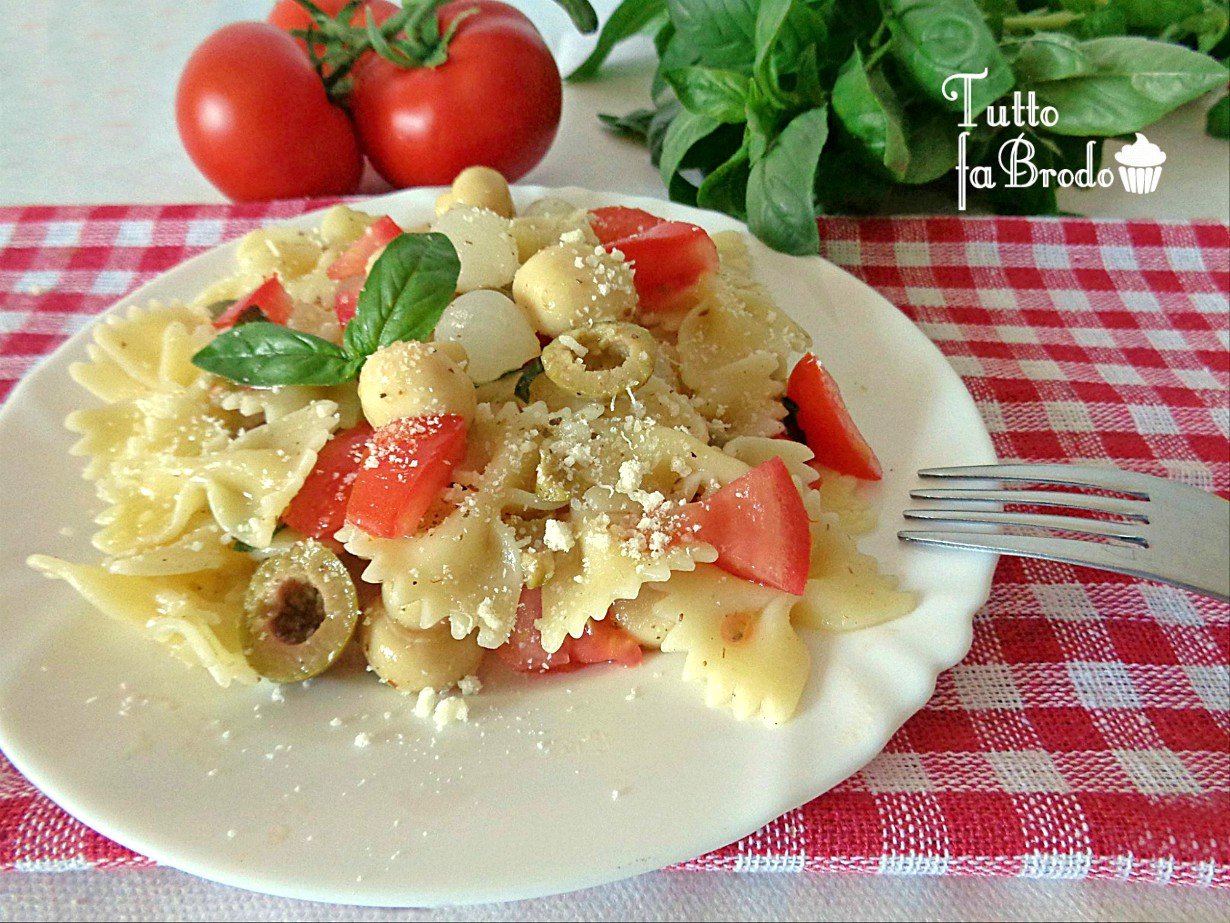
496	336
484	245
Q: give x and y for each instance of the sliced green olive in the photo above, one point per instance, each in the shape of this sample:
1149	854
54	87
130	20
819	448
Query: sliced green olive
300	612
410	659
601	361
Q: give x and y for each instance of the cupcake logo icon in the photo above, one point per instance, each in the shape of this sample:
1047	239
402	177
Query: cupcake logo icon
1140	165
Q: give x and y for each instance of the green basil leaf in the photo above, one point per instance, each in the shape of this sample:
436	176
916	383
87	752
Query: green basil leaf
529	372
633	125
1155	15
1103	21
655	136
866	105
265	355
1049	56
723	32
1136	81
719	94
687	129
408	288
725	189
673	53
781	207
933	144
632	17
934	39
1217	122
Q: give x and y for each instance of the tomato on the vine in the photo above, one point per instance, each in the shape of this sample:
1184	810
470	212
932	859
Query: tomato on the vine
290	14
256	120
495	101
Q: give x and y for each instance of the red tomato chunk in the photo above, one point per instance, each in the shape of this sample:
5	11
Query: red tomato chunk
601	642
759	527
830	430
319	509
269	302
410	463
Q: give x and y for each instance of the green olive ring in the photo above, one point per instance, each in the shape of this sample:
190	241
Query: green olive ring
300	612
616	357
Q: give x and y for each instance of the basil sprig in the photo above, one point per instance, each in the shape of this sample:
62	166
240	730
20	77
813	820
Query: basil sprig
776	111
408	288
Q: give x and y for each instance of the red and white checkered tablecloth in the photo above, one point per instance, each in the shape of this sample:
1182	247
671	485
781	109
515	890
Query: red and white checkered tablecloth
1087	734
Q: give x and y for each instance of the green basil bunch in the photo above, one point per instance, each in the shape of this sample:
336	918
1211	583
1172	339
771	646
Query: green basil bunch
774	111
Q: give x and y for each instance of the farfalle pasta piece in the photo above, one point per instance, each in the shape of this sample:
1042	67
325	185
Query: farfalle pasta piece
196	615
146	349
846	589
615	554
739	642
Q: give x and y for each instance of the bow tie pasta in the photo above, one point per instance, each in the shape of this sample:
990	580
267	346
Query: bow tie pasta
549	439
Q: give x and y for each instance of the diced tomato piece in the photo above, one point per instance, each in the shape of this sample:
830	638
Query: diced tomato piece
410	462
270	301
523	650
346	301
354	261
759	527
604	642
615	221
319	509
827	424
667	259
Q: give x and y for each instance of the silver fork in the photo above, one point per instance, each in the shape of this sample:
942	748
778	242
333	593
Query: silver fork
1165	531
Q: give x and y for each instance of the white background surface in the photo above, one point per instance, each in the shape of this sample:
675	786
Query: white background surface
87	117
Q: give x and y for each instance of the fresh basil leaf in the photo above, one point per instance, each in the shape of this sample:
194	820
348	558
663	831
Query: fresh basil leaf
658	125
719	94
933	144
1103	21
867	107
265	355
1049	56
1136	81
723	32
408	288
725	188
687	129
632	17
781	208
529	372
1153	16
633	125
1217	122
934	39
673	53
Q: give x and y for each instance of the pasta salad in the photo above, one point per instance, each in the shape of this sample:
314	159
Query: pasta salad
558	438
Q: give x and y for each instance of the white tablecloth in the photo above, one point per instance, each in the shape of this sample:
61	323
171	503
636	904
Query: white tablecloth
87	117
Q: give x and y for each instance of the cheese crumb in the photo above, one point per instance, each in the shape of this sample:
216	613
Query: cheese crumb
425	704
362	740
450	710
470	685
557	535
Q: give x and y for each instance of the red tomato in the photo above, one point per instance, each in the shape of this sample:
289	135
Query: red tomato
495	102
346	301
269	301
616	221
827	424
354	261
319	509
601	642
759	527
410	462
254	118
604	642
667	259
523	650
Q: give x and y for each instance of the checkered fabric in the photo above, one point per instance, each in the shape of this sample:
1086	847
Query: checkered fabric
1087	734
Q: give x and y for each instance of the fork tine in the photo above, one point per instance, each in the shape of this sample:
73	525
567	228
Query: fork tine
1129	532
1070	475
1134	509
1122	559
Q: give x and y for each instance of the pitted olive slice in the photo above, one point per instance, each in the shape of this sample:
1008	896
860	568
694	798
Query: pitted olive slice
300	612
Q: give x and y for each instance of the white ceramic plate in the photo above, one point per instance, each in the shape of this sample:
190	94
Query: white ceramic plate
554	784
